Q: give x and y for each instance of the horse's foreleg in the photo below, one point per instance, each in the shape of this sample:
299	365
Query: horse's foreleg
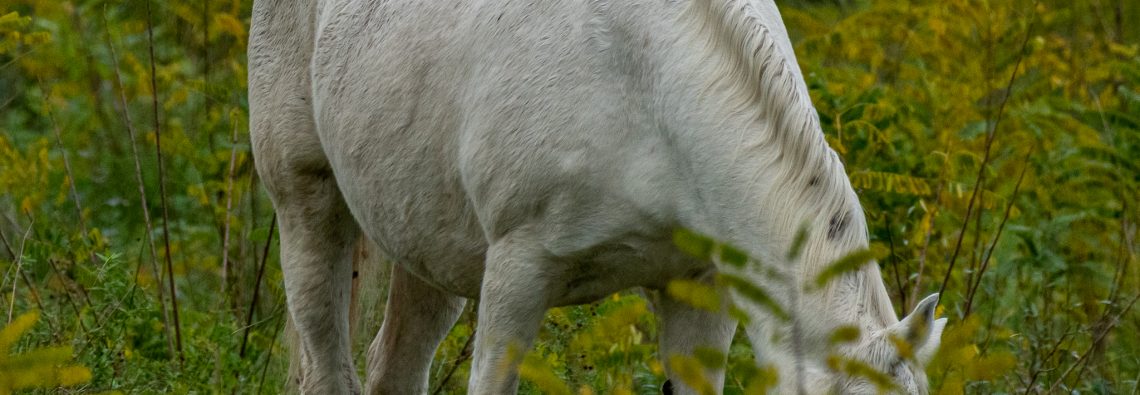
416	320
685	329
317	238
512	301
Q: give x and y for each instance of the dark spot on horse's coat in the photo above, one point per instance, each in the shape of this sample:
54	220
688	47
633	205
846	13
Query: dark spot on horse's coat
837	224
667	388
813	181
499	18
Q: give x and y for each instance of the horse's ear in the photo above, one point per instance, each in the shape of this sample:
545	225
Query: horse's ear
927	351
921	330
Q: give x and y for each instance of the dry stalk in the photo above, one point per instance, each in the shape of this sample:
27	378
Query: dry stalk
229	211
973	289
257	287
126	114
162	185
1111	323
20	270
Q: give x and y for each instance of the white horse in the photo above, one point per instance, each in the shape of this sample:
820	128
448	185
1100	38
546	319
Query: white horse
532	154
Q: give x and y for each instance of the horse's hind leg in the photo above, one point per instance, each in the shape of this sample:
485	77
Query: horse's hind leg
317	231
416	320
317	236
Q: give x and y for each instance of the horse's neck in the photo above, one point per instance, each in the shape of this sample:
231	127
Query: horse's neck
760	160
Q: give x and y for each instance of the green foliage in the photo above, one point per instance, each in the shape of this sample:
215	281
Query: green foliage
44	367
539	372
848	263
994	146
755	294
924	112
74	85
855	368
961	361
692	372
798	244
890	182
695	294
844	334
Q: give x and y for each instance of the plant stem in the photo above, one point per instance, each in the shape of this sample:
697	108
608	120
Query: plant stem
971	290
226	219
19	269
257	287
162	185
988	149
143	201
1099	337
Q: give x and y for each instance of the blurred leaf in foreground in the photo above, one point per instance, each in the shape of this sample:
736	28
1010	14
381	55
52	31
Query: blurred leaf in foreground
39	368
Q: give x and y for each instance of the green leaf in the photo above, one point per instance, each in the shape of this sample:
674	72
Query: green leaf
710	358
798	243
754	294
260	234
694	294
848	263
694	244
856	368
732	256
844	334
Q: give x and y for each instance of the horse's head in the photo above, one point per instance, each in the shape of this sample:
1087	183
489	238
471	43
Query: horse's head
899	353
891	360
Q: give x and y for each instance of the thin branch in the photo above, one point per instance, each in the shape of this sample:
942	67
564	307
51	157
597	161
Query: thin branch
926	240
895	264
797	340
143	201
162	185
19	269
989	148
975	255
70	174
27	282
67	295
1036	371
72	190
1099	338
464	354
7	246
229	211
972	290
269	355
207	102
257	287
1123	253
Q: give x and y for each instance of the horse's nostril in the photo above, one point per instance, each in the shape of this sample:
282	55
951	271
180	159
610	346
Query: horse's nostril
667	388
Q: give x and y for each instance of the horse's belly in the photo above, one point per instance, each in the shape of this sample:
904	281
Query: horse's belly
634	261
419	222
388	134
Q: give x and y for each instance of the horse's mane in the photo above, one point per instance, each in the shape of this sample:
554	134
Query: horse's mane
763	81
